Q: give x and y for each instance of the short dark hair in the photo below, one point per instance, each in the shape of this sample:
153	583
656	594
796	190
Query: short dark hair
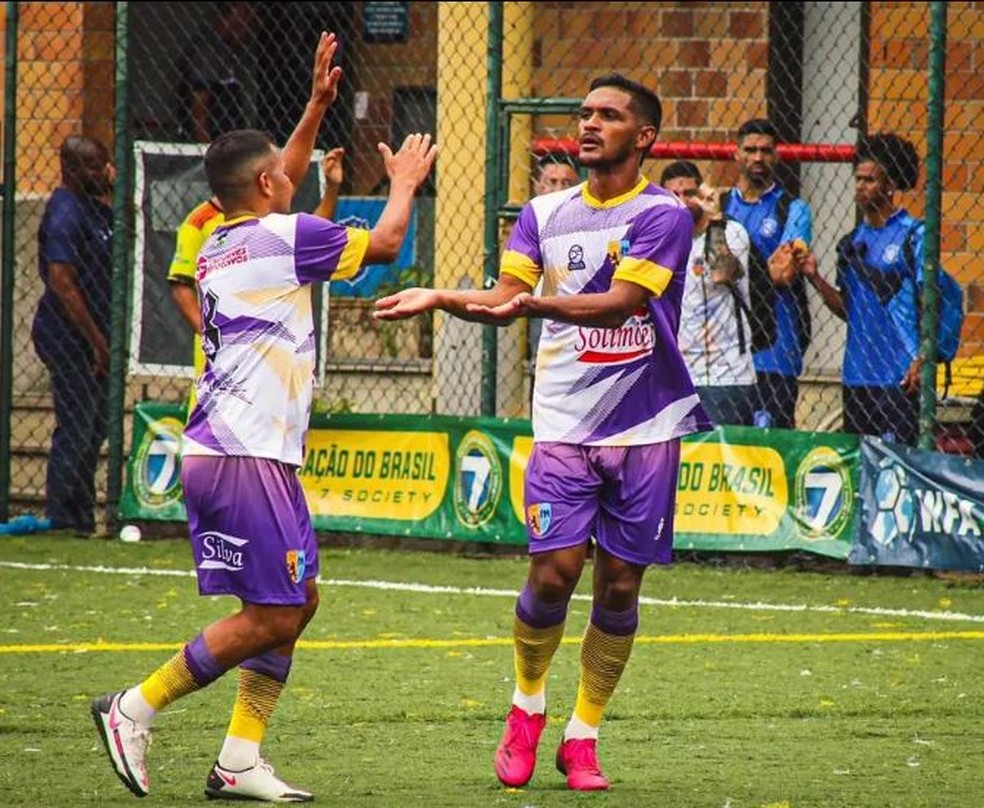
229	157
645	102
558	158
680	168
897	157
758	126
73	146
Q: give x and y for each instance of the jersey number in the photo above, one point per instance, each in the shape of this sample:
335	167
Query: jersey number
210	331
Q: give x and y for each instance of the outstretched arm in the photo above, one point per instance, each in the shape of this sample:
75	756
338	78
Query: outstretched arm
324	90
410	302
608	309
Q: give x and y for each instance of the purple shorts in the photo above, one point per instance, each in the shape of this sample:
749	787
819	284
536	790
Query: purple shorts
251	532
623	496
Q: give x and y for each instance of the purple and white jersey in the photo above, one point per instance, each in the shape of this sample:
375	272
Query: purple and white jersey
622	386
254	277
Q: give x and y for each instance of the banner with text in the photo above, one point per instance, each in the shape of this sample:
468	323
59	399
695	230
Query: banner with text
462	478
920	509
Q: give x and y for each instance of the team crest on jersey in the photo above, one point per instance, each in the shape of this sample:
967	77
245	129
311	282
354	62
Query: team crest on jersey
538	517
616	249
890	253
575	258
295	565
768	227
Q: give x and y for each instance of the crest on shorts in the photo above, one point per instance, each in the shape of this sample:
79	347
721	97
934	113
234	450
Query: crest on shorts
538	517
296	565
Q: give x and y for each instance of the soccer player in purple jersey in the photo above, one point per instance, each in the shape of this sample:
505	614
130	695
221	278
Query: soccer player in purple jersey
251	531
612	399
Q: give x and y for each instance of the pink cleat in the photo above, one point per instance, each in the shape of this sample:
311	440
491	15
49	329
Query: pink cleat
578	759
515	758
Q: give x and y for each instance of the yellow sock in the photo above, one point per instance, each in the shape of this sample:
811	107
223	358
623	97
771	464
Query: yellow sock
533	650
256	697
603	658
169	682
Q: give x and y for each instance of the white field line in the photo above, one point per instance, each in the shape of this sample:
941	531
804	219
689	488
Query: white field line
429	589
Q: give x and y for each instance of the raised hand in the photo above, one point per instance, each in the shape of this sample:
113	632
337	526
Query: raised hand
331	166
412	163
783	265
710	201
324	83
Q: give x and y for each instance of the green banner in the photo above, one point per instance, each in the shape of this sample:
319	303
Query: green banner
462	478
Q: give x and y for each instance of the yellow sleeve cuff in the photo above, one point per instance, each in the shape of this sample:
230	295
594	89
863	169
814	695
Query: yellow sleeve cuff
521	266
350	261
646	274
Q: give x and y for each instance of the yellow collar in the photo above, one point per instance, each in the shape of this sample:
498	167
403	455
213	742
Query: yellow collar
590	201
245	217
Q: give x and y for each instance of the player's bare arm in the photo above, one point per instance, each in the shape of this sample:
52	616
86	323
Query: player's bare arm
324	91
406	170
185	298
410	302
832	298
63	279
600	310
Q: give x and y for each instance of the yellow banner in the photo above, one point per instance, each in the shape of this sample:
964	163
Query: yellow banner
727	488
383	475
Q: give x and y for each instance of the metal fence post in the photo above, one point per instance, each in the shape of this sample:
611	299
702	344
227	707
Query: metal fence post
931	248
7	248
490	336
121	228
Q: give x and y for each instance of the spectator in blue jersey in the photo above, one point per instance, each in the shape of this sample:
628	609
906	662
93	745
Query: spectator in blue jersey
780	228
879	280
72	325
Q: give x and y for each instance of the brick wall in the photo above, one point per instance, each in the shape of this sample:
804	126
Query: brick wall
707	61
65	84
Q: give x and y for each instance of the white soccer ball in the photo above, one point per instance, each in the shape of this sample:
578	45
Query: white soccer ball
129	533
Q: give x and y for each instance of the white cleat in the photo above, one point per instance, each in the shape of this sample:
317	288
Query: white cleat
126	742
256	783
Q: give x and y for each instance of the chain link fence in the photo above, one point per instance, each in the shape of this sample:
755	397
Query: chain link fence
828	76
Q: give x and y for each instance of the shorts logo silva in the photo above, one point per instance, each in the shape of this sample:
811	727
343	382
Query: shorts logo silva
538	518
296	564
222	552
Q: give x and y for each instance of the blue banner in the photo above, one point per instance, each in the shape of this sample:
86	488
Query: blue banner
919	509
363	212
